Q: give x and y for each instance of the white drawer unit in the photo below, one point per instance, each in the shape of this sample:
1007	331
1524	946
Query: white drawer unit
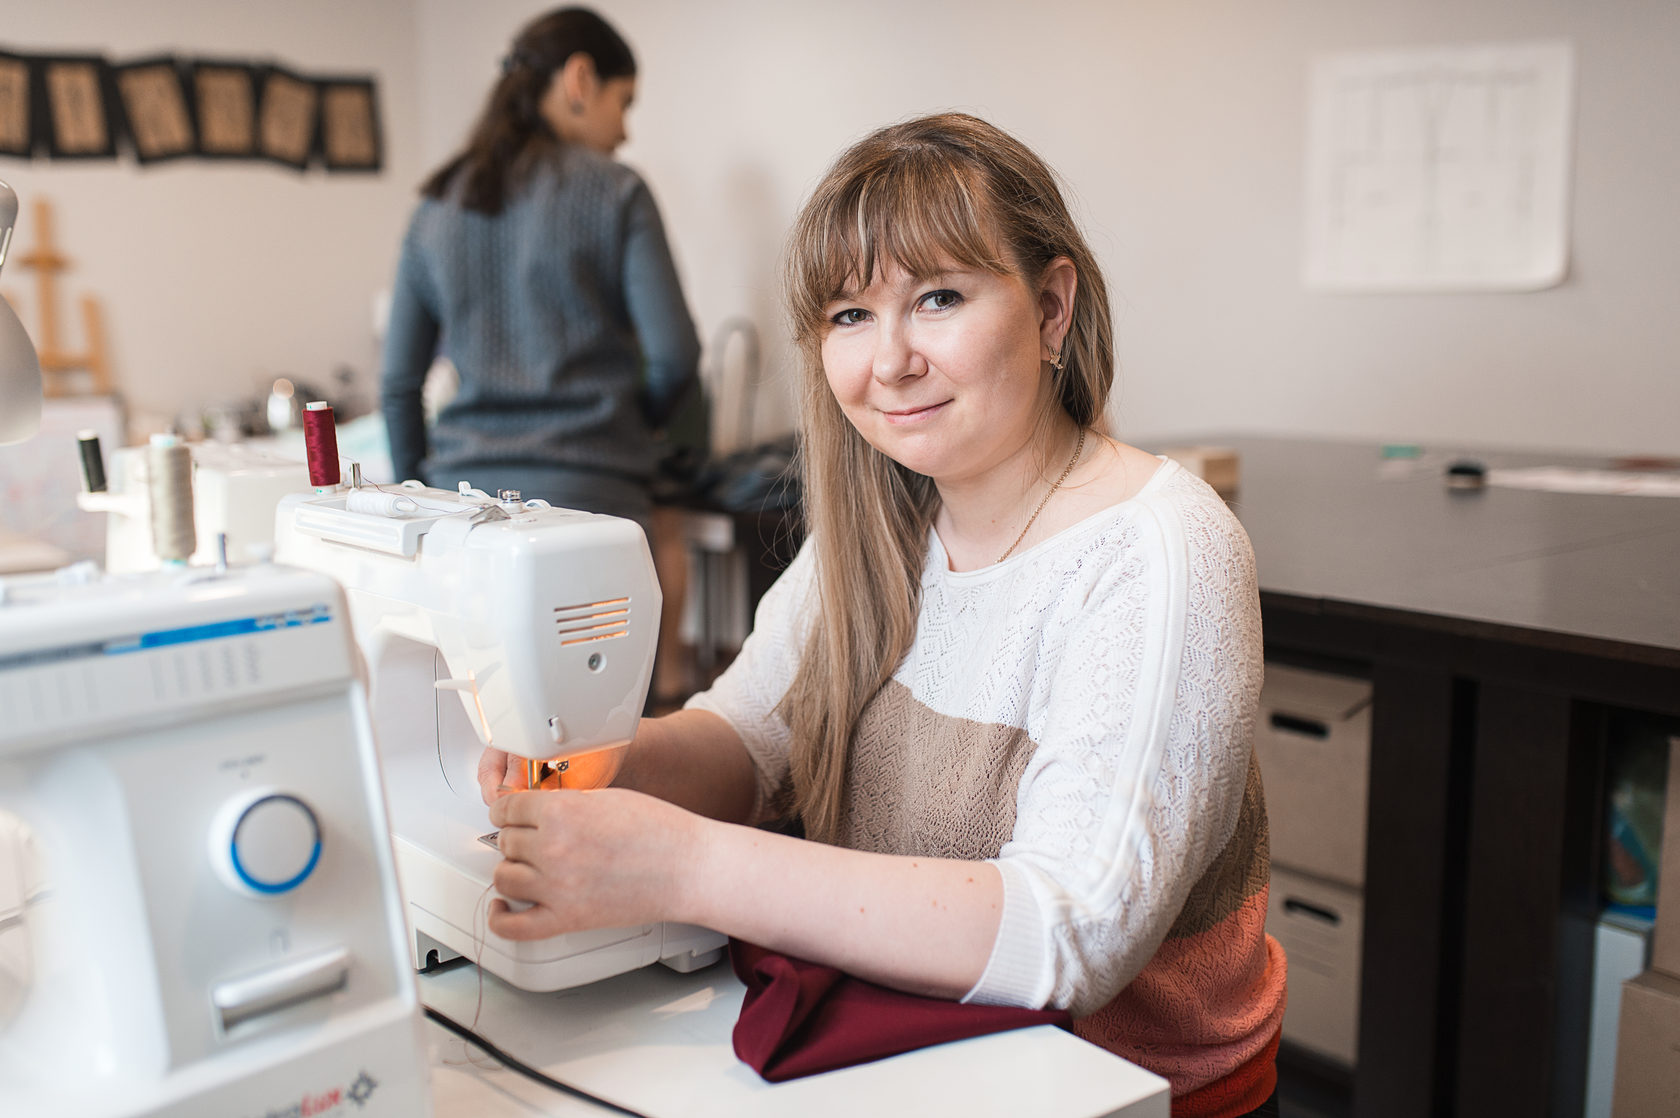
1319	924
1314	745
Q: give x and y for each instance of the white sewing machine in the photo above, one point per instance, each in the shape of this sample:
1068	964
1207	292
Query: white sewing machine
214	927
492	622
235	490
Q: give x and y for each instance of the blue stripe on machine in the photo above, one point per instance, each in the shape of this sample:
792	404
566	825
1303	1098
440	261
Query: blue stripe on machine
291	619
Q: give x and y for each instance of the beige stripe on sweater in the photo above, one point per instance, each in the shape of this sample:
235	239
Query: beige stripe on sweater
921	782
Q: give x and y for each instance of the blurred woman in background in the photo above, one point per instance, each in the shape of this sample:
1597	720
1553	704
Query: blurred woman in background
539	267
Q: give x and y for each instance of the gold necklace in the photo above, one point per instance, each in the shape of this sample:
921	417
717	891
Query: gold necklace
1077	448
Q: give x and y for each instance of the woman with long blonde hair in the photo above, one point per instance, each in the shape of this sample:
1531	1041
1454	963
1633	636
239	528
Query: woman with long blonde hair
1008	686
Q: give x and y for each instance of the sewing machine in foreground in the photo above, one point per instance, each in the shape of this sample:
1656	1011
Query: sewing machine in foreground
213	926
491	622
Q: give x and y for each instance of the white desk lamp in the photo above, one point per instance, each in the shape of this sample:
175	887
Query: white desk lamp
20	370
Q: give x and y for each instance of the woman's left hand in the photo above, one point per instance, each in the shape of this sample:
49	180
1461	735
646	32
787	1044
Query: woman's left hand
599	859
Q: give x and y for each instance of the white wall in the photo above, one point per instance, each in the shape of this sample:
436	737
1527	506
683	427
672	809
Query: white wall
1181	129
216	277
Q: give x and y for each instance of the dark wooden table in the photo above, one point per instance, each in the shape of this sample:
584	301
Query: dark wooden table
1501	628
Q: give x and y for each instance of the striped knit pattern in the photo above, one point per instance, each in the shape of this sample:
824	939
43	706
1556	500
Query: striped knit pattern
1082	716
1216	983
1212	998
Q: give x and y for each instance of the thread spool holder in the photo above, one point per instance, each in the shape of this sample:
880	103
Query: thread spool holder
133	505
133	502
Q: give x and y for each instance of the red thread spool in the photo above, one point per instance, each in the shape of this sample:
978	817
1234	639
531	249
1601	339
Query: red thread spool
320	443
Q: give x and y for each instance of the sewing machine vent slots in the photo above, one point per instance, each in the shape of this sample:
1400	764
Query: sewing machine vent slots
593	621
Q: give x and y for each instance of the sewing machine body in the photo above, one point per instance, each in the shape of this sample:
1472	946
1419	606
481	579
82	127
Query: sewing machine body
215	926
482	622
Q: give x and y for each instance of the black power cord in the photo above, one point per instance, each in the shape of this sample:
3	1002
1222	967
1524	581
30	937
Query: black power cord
523	1068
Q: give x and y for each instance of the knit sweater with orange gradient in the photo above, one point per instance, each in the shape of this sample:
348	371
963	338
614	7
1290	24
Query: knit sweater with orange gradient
1082	716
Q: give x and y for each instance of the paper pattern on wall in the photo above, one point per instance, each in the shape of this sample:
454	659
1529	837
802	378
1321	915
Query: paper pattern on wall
16	135
164	106
1439	170
156	107
350	126
76	109
288	118
226	110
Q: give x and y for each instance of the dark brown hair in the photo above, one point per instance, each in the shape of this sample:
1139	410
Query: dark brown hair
511	134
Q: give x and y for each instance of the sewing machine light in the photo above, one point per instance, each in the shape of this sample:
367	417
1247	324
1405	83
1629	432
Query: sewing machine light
20	369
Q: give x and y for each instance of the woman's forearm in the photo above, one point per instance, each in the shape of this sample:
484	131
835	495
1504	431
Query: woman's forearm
631	855
920	924
925	925
693	759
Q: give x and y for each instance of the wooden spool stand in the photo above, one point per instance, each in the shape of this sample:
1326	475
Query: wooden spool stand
58	365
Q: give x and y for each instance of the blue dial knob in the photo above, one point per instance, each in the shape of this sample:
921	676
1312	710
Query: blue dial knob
275	843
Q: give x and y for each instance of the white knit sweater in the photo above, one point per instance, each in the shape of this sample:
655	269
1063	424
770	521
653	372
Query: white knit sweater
1114	669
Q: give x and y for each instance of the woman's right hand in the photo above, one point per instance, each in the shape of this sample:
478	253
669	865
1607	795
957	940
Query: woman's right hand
499	773
693	759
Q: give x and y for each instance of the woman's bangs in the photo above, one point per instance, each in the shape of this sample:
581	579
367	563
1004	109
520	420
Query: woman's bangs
916	216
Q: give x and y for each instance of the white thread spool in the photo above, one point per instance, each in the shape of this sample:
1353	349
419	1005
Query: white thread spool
379	503
169	486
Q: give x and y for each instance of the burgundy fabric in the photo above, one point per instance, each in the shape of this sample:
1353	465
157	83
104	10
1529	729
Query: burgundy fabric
799	1018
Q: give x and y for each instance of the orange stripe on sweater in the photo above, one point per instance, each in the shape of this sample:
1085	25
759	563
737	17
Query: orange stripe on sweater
1236	1094
1203	1007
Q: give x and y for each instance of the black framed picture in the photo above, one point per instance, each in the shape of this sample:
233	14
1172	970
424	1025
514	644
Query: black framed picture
224	107
17	117
75	106
288	117
351	139
155	108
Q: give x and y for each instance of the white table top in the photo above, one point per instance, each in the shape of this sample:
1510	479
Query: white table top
468	1084
658	1043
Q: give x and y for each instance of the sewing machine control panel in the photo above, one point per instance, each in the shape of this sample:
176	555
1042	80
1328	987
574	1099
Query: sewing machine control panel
84	674
194	758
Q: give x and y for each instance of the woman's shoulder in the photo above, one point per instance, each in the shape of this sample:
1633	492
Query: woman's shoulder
1178	512
1171	528
434	225
1108	481
1129	497
575	167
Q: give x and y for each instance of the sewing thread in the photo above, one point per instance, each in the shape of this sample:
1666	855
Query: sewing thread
378	502
320	443
169	489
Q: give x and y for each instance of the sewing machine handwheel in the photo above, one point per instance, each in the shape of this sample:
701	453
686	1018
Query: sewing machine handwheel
268	843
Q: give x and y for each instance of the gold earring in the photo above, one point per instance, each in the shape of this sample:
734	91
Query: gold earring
1056	360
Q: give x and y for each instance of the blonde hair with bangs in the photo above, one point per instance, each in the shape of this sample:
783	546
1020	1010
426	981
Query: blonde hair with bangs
920	196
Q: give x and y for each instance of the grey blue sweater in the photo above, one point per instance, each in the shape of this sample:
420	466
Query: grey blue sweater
564	318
